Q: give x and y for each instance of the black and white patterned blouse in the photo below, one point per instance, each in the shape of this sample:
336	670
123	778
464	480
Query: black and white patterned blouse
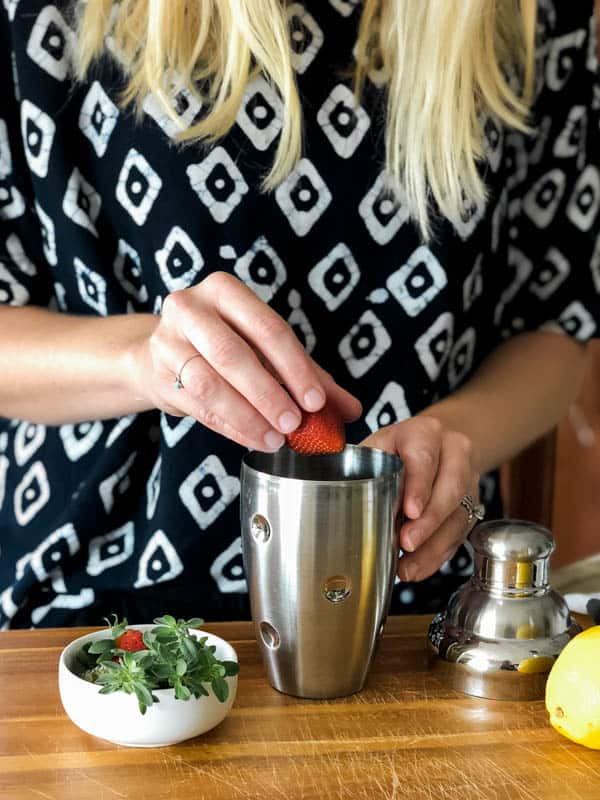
100	214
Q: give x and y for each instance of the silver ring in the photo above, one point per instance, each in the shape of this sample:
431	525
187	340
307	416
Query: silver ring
474	510
178	382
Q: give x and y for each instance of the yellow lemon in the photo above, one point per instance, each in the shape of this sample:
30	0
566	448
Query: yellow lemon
573	690
533	666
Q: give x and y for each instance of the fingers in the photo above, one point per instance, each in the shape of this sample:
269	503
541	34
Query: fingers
266	331
440	547
209	398
439	471
418	444
233	359
253	350
453	480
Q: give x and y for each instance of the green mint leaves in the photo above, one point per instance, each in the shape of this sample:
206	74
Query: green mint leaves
174	659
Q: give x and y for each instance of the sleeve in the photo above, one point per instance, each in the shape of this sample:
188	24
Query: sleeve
553	185
25	275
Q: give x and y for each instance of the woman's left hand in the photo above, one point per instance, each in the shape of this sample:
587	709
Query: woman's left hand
440	469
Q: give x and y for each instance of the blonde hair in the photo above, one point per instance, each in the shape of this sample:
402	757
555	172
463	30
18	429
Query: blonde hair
444	63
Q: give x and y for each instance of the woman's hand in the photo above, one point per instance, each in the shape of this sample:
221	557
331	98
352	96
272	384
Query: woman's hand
439	470
246	352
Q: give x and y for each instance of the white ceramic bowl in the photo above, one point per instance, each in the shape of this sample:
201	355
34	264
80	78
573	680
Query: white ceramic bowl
117	718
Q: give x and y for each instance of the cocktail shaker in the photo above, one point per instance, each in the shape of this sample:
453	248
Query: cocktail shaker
320	548
505	627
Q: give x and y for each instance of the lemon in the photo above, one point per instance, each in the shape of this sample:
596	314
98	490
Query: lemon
536	665
573	690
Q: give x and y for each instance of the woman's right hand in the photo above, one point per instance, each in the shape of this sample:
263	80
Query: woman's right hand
246	352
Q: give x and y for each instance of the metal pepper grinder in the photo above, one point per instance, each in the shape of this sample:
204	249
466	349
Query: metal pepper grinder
504	628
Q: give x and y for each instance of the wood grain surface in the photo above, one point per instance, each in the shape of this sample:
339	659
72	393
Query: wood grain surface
404	736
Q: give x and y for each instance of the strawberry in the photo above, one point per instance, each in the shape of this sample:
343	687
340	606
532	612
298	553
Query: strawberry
131	640
319	432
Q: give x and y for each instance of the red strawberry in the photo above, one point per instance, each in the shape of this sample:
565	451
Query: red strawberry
319	432
131	640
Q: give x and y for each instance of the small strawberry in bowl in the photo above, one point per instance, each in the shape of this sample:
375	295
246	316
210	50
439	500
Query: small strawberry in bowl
320	432
108	677
131	640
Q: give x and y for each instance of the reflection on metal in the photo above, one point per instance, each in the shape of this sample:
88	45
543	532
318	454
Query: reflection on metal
337	588
260	528
269	635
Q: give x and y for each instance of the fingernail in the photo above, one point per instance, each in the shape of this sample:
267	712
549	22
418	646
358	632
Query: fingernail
414	508
288	421
408	541
314	399
273	440
404	573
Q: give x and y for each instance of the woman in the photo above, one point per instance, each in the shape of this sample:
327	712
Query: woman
422	244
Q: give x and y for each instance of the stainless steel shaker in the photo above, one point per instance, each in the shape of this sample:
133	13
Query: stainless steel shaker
320	550
505	627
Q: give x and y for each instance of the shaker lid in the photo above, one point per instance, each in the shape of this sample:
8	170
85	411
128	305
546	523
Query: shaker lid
509	540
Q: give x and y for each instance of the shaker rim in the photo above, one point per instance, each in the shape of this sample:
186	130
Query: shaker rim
384	465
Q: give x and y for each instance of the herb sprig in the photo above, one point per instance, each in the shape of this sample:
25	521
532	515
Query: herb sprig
174	659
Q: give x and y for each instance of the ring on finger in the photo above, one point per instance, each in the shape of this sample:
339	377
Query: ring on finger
474	510
178	381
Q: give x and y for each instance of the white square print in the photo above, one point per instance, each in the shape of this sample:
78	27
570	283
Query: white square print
583	205
11	8
434	346
174	433
97	118
261	269
306	37
159	562
48	235
92	287
391	407
16	251
57	547
79	439
12	293
364	345
227	570
31	494
335	276
473	285
37	132
208	490
471	214
493	142
383	212
5	155
543	199
111	549
345	7
418	281
128	271
218	183
577	321
461	357
138	186
260	115
185	106
179	260
554	269
50	43
303	197
343	121
12	202
82	202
